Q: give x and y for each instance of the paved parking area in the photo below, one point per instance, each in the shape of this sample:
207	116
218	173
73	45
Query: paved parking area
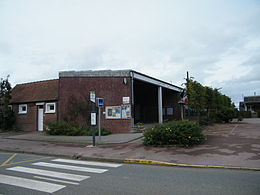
16	158
236	145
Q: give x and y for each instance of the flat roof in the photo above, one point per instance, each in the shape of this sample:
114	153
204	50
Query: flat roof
120	73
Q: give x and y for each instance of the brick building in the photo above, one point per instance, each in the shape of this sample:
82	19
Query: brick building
252	104
129	97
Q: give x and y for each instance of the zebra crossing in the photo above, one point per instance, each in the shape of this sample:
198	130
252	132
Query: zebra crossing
51	181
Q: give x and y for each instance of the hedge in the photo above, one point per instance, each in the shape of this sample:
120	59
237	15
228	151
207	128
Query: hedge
183	133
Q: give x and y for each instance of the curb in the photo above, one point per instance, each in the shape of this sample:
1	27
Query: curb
152	162
75	142
133	161
74	156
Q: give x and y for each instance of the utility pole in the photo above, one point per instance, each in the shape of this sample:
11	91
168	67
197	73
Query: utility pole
187	92
93	123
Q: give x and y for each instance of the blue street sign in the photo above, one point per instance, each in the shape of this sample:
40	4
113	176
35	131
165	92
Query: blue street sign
100	102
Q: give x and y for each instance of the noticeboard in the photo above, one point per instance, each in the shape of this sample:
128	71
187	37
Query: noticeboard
113	112
126	111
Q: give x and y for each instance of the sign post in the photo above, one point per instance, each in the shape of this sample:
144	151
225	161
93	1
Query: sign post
93	123
100	102
182	102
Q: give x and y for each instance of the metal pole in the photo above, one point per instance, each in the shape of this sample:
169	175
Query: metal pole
93	127
99	126
182	112
187	92
160	113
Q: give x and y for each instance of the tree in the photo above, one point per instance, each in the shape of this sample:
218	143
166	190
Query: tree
209	99
196	95
202	98
7	118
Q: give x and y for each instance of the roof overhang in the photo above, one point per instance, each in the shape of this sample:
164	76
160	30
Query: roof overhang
120	73
157	82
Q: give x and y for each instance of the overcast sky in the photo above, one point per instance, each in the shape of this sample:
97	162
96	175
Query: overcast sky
217	41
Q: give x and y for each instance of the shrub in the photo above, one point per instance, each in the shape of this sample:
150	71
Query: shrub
66	128
103	132
7	119
245	114
72	129
226	115
204	121
183	133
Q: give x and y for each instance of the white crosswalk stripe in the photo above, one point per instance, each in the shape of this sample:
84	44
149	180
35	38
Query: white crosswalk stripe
81	162
38	182
69	167
55	174
58	180
30	184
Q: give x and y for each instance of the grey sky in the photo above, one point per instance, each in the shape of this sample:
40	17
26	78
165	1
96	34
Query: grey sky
217	41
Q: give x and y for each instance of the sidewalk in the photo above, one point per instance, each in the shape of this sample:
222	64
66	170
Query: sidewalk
109	139
234	145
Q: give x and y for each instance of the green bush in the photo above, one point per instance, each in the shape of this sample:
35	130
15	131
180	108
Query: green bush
204	121
66	128
225	115
183	133
7	119
72	129
103	132
245	114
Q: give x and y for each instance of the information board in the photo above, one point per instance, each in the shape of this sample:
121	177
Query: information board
113	112
126	111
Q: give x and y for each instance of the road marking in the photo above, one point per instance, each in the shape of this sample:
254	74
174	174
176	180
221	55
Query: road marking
57	180
74	168
15	163
30	184
55	174
233	129
9	159
114	165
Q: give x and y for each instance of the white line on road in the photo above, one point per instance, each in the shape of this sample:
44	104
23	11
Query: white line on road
30	184
57	180
114	165
233	129
68	167
55	174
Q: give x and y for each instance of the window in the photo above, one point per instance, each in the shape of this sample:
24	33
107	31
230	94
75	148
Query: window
50	108
22	109
169	111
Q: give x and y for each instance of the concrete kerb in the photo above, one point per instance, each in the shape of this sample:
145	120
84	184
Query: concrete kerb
152	162
135	161
74	156
77	142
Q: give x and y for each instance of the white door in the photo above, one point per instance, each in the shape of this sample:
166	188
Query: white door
40	119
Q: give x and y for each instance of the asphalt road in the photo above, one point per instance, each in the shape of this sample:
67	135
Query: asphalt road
32	174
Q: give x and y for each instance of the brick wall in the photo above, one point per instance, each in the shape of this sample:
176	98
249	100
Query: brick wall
170	99
112	89
29	121
49	117
26	122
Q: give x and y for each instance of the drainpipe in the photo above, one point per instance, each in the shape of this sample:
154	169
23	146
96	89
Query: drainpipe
160	114
132	99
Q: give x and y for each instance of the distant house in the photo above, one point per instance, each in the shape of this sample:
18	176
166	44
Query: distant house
34	103
252	104
129	97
